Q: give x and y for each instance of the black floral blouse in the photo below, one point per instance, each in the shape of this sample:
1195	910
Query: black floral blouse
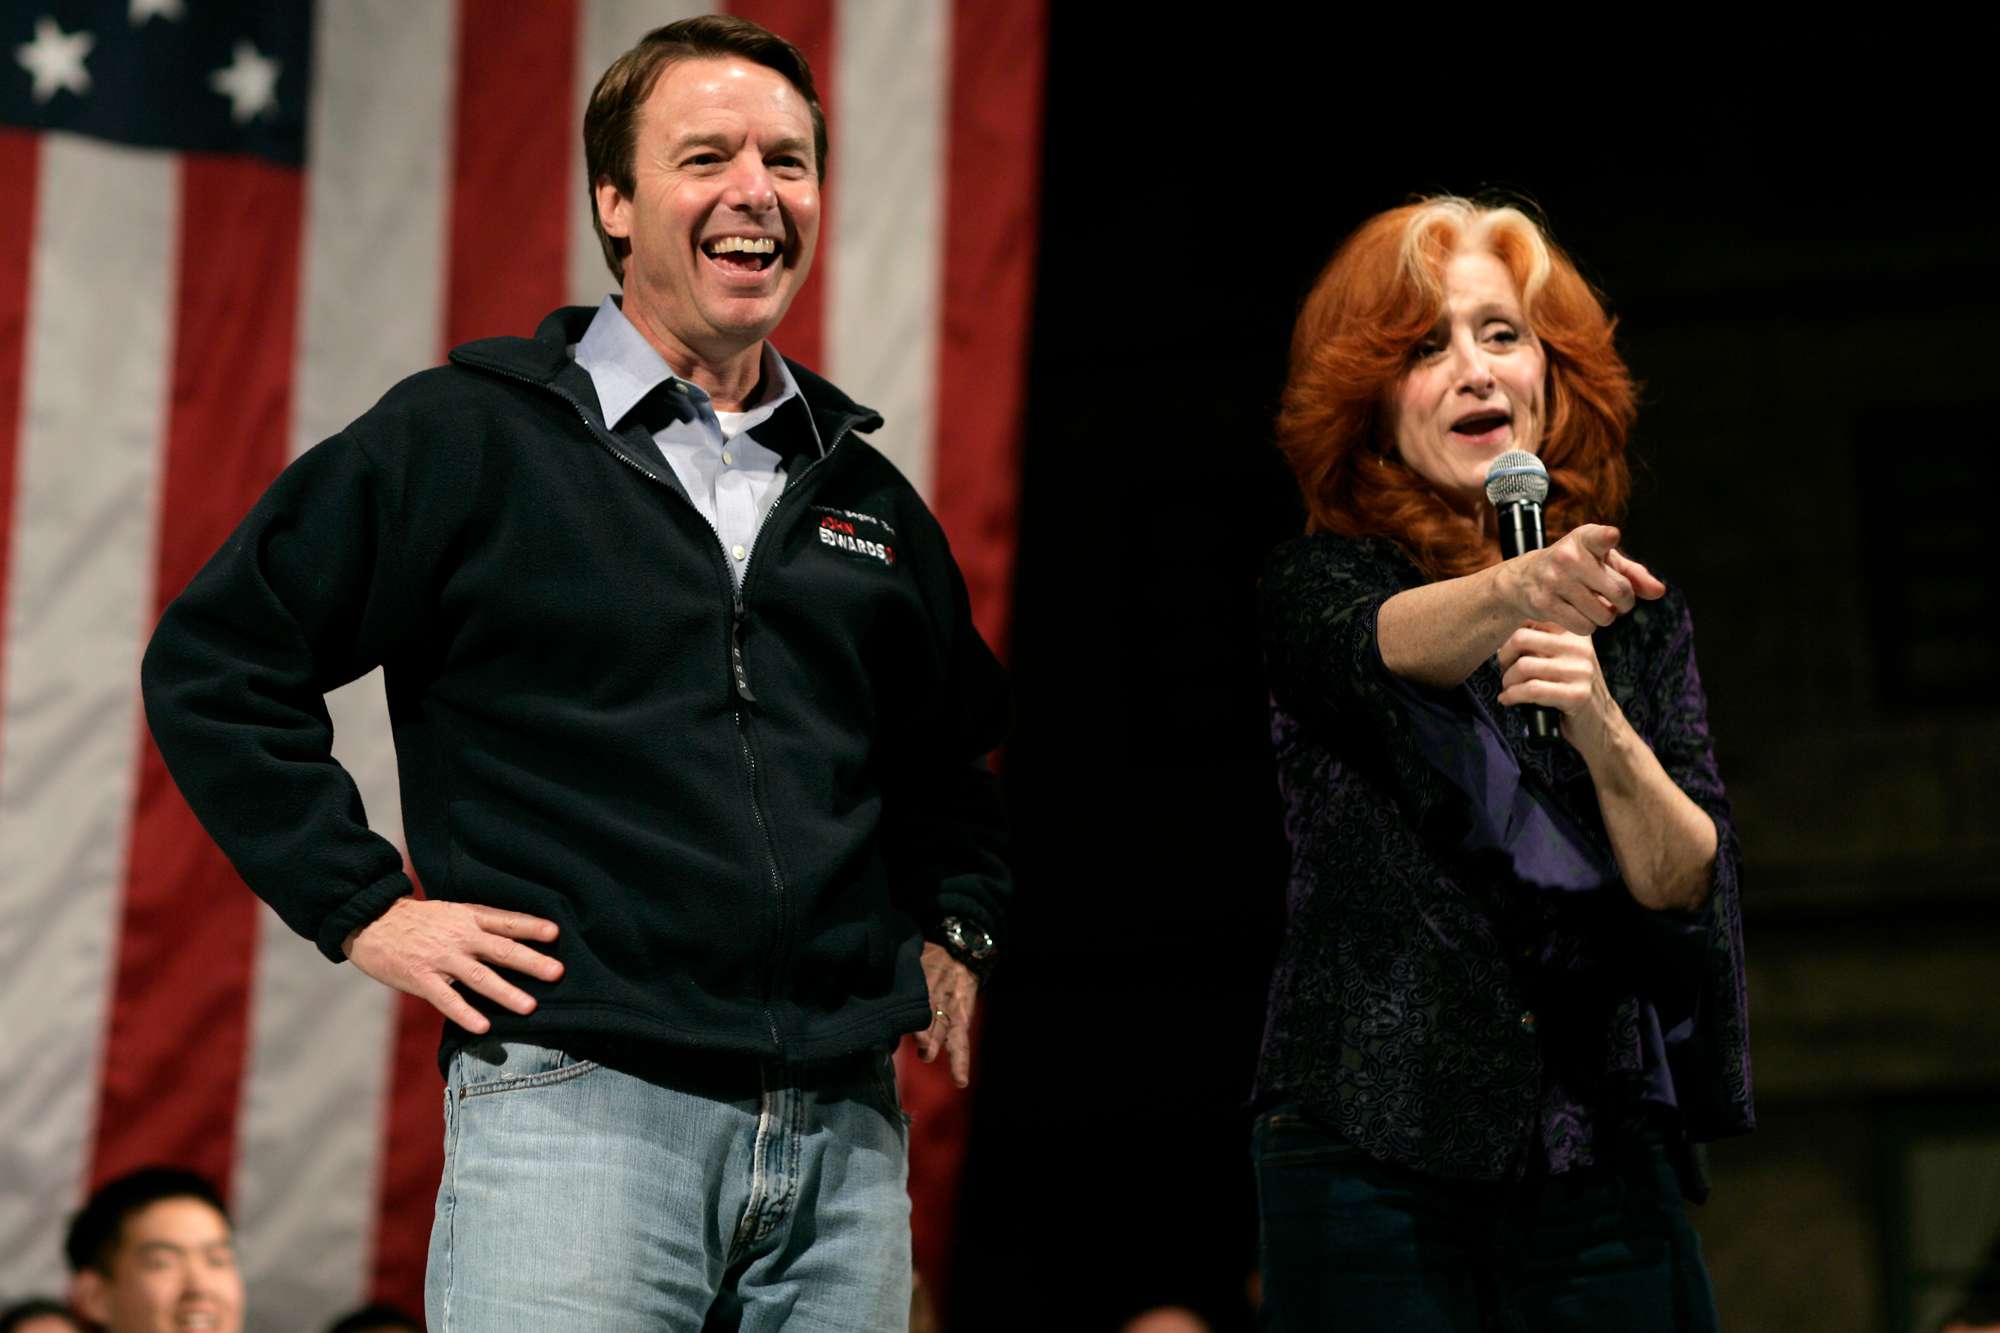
1465	986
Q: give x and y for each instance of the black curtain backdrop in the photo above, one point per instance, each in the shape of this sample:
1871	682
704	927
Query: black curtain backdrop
1799	261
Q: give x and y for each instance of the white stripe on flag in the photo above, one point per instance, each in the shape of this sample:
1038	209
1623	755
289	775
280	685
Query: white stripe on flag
310	1135
608	29
377	153
887	158
316	1079
80	606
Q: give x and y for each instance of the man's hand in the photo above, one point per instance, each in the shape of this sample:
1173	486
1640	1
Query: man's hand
953	991
421	946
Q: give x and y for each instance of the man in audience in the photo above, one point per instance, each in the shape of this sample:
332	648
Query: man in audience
376	1318
39	1315
153	1250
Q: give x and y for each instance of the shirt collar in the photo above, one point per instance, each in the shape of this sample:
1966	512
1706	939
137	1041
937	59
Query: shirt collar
624	367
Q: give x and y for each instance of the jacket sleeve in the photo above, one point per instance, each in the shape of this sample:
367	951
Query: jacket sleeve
1439	753
945	824
301	599
1709	1050
1318	603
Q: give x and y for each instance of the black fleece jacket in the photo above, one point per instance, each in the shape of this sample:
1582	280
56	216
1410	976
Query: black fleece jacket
742	810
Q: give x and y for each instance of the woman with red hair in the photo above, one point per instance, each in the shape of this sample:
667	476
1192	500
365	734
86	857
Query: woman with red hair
1510	997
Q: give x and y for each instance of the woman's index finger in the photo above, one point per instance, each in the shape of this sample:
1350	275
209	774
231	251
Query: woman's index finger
1643	580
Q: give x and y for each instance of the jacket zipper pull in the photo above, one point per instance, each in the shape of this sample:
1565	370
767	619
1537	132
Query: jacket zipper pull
739	678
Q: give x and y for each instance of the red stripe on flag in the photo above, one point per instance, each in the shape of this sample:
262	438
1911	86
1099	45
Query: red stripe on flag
992	180
179	1009
515	170
20	163
992	194
808	25
412	1158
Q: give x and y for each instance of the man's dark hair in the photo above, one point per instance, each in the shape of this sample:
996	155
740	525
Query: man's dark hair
374	1317
16	1315
611	124
377	1315
1981	1306
93	1232
1979	1309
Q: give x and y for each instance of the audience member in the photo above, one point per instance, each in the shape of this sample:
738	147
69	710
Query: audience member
38	1315
1979	1312
153	1249
1166	1319
377	1318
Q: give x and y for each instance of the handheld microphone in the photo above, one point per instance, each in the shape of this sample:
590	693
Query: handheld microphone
1516	484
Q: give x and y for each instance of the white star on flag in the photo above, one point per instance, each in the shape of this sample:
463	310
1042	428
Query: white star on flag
250	83
166	9
55	58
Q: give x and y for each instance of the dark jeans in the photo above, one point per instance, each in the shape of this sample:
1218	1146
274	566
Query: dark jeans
1348	1242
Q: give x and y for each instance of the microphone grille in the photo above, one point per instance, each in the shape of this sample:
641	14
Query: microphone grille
1517	476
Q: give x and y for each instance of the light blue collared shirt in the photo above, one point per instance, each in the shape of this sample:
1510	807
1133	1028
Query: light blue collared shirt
731	478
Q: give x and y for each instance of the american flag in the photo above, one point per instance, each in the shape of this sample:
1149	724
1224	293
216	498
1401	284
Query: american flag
225	230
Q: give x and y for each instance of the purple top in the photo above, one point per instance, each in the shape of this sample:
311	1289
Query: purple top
1466	987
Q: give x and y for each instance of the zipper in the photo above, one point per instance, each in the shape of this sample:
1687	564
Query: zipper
739	678
603	438
740	681
791	485
781	947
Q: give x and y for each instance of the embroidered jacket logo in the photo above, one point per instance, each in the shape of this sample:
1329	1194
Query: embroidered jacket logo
839	533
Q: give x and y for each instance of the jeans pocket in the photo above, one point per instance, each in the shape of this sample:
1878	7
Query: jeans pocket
484	1067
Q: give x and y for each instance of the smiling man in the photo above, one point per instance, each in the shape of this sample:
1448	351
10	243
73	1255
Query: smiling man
691	722
152	1251
708	202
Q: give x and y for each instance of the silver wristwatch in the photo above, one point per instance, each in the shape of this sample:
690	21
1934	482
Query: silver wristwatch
969	945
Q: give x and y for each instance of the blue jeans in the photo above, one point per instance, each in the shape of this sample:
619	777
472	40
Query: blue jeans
1350	1243
578	1197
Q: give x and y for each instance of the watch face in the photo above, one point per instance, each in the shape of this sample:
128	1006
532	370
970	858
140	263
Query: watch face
975	942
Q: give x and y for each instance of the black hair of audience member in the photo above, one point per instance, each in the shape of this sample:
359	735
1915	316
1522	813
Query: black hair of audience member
36	1307
1980	1308
376	1318
93	1232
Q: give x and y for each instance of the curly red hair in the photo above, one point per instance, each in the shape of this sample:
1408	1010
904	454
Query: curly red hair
1376	300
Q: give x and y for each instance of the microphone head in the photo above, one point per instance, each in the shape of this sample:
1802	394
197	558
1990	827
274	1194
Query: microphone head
1517	477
